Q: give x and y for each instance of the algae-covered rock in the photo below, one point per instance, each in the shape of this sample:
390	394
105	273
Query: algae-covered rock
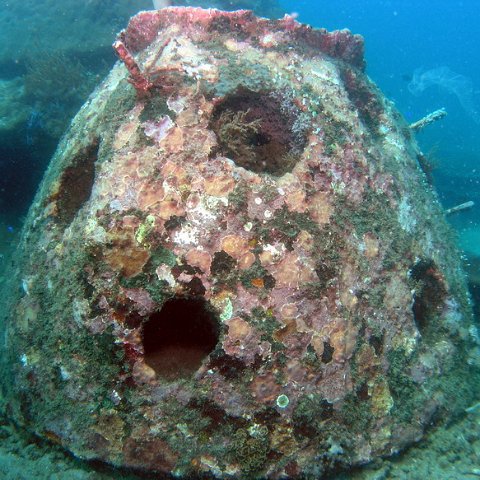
234	266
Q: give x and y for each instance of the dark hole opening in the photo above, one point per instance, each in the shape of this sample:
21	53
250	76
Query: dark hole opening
178	337
327	355
430	293
362	392
262	132
376	341
76	184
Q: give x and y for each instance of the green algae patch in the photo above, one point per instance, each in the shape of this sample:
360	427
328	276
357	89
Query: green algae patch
250	450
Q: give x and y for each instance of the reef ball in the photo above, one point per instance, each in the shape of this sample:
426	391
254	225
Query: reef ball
234	266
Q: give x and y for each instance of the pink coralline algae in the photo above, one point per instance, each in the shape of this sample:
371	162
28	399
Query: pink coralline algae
158	130
234	267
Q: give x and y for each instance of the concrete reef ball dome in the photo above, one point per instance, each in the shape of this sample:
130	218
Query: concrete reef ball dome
234	267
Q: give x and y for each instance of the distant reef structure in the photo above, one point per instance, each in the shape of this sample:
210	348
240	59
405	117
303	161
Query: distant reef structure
235	266
60	50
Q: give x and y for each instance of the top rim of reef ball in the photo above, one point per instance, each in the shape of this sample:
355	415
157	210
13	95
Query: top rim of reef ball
143	28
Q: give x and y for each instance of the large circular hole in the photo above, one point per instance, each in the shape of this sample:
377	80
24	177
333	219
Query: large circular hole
178	337
262	132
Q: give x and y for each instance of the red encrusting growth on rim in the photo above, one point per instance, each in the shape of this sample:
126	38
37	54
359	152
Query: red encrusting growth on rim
150	78
144	27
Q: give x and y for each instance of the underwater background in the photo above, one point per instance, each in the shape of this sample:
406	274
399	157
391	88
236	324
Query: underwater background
422	55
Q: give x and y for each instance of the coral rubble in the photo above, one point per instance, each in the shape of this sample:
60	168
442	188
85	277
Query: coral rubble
235	267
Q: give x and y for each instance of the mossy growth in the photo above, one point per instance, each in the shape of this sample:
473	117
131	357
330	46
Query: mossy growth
237	135
374	215
71	342
264	321
250	451
285	227
460	392
335	132
238	198
402	387
162	255
364	95
119	103
356	413
311	415
242	73
192	416
155	108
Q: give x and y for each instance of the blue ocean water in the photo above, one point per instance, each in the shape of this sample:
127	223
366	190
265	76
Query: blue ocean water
404	36
422	54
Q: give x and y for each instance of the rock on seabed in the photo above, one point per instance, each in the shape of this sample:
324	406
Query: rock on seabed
234	267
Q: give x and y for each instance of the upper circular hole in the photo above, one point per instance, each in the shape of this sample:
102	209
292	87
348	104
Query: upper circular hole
262	132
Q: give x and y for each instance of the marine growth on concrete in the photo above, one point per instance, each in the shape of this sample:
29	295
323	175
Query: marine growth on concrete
235	267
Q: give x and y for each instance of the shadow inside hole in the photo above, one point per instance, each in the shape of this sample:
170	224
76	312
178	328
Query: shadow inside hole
430	293
260	131
76	183
177	339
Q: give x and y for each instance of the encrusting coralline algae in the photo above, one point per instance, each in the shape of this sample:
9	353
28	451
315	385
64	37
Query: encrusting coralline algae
234	267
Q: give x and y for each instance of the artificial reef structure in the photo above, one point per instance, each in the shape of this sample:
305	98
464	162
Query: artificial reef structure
234	267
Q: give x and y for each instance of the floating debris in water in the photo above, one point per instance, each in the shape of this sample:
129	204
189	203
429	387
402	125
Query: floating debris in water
427	120
462	206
